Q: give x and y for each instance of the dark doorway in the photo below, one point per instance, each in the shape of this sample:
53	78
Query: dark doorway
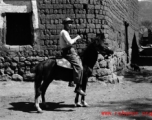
126	40
18	29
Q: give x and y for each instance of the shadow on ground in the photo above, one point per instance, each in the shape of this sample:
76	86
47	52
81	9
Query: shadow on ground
126	108
30	108
144	76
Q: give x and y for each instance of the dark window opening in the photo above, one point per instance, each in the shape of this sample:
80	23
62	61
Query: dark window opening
18	28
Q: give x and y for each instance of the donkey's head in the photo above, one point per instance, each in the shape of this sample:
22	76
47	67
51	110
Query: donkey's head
101	46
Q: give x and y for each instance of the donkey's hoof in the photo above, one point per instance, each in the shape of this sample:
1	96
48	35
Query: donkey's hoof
84	104
39	111
78	104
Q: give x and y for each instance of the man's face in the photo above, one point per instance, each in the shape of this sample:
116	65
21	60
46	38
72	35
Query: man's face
68	25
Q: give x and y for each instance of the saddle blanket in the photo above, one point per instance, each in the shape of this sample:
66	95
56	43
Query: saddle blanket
64	63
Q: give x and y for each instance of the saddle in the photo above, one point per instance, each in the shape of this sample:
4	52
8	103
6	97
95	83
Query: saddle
62	62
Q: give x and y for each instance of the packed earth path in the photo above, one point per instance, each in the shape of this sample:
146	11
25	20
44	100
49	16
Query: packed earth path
131	99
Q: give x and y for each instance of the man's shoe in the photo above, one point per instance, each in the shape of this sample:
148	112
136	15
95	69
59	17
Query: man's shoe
79	91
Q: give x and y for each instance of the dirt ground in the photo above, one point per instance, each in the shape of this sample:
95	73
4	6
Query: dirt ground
129	100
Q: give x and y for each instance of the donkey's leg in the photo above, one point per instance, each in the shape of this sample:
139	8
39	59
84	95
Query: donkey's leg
37	83
49	75
45	85
84	85
77	103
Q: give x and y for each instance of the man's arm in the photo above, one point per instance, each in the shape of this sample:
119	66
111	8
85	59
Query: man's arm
68	39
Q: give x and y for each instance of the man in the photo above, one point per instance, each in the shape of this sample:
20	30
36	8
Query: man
70	54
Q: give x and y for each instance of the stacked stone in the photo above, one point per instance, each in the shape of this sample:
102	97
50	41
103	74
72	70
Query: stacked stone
106	68
19	68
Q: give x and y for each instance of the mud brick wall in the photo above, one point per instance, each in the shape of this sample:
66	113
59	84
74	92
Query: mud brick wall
90	17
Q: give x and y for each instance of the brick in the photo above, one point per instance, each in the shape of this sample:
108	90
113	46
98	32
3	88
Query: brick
67	6
91	26
78	6
98	25
51	26
84	1
55	11
97	6
56	21
59	26
91	6
42	26
53	1
91	1
80	16
97	11
46	52
100	16
90	15
91	35
46	42
47	11
64	1
57	6
42	21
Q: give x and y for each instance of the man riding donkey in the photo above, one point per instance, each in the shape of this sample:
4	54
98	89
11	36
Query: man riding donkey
71	55
46	71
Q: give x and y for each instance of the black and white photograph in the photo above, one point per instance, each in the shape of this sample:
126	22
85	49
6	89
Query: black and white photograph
75	59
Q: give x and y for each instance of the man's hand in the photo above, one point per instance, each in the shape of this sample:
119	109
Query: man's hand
78	37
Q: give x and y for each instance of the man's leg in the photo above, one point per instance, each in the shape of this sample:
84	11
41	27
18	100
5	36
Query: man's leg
77	71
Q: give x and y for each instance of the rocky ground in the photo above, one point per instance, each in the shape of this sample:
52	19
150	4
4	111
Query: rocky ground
129	100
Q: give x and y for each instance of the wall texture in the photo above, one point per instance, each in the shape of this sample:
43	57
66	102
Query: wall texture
117	19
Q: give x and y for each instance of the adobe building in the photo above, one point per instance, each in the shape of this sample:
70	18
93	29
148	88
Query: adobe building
29	32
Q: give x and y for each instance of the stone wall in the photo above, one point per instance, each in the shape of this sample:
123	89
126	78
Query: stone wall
90	17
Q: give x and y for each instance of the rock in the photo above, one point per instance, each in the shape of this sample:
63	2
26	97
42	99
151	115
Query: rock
105	78
103	72
17	77
2	71
29	77
1	65
110	64
92	79
120	79
103	64
5	77
100	57
33	69
15	59
16	71
27	63
31	58
96	66
9	71
22	59
21	70
39	58
2	59
6	64
13	65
